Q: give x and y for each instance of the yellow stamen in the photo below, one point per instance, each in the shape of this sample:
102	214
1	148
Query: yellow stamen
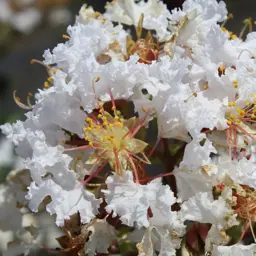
65	36
118	124
233	37
46	85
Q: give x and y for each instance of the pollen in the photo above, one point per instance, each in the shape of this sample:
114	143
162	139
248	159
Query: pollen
118	124
113	140
235	83
46	84
232	104
222	68
233	37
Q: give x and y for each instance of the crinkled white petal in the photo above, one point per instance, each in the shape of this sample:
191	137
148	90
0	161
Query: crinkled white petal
203	208
199	113
101	237
131	201
191	182
64	203
209	9
197	155
128	12
237	249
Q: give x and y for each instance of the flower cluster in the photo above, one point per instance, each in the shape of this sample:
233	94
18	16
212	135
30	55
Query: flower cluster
88	138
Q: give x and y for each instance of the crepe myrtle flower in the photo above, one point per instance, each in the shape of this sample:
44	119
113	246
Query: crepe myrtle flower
142	138
113	140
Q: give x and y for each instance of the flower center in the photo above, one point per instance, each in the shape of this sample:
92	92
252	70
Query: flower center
113	139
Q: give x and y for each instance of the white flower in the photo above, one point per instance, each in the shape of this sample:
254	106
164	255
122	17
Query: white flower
195	20
197	155
237	249
169	93
192	79
204	209
129	12
242	172
192	181
199	113
46	159
131	201
102	235
158	240
209	9
64	203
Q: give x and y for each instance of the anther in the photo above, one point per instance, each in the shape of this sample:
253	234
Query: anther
235	83
65	36
118	124
233	37
46	85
